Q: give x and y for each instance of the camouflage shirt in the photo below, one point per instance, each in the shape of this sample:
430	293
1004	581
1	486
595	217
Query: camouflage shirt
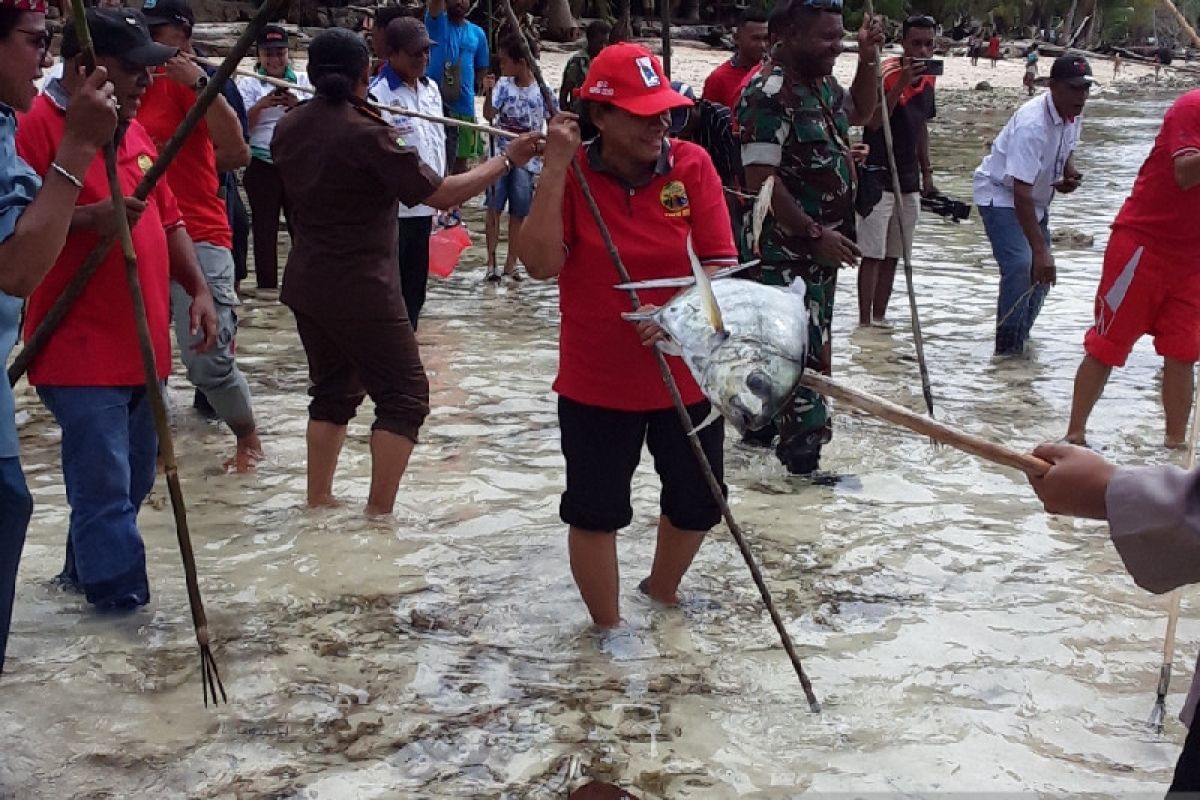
802	130
574	74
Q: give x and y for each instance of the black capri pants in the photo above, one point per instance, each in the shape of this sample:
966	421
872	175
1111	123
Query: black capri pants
349	359
602	448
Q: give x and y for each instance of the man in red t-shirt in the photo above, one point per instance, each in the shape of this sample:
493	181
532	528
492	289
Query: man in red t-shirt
1151	279
725	83
655	193
216	145
90	373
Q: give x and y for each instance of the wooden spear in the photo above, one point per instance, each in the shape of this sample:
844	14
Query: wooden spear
62	305
685	419
905	234
1158	714
210	676
1183	22
450	121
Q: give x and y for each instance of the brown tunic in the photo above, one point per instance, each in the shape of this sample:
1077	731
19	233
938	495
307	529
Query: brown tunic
344	169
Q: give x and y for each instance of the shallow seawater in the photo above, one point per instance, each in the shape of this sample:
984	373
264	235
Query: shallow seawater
959	639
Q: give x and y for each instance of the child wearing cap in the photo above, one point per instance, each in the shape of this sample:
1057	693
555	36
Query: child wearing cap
514	103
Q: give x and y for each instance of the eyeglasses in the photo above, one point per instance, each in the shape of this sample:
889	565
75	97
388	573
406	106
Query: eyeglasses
42	39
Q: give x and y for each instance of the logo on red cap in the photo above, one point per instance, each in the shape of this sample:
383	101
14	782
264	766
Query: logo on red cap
649	77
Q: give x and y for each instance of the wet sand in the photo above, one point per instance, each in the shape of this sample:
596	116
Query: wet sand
959	639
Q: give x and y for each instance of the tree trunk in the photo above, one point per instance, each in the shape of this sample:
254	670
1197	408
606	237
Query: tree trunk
1069	21
560	22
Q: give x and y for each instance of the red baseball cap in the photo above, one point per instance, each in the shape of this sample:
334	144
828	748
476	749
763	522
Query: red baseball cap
629	77
36	6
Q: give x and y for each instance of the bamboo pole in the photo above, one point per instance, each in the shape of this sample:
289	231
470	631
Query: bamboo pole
1158	714
905	234
209	674
450	121
938	431
669	380
79	281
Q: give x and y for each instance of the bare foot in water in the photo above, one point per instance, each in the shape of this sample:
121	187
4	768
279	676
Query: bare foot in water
1175	444
324	501
249	452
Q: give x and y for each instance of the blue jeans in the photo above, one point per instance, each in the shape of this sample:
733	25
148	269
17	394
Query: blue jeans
15	507
1020	301
109	451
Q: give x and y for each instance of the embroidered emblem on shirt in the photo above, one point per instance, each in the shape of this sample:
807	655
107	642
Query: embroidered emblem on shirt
400	141
649	76
145	162
674	199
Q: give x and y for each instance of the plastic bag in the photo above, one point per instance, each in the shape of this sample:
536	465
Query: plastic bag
445	248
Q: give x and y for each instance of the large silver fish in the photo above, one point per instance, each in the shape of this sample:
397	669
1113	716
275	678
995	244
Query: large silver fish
745	343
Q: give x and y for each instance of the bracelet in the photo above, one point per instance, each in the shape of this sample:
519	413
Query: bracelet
62	171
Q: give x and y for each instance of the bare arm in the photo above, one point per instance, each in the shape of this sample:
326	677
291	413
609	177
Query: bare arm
457	189
1043	262
41	230
864	91
541	246
1187	171
831	246
185	270
923	159
224	128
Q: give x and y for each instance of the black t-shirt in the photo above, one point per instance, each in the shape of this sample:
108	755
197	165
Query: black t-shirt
916	105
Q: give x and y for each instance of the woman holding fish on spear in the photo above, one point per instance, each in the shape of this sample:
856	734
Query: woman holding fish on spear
657	193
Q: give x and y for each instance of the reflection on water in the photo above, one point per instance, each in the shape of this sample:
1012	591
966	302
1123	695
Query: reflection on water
960	640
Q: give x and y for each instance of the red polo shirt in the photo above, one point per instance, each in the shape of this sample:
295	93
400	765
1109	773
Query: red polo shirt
1163	215
97	343
193	174
601	360
725	83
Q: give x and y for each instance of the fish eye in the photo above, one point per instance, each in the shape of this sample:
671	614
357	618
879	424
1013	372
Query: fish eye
759	383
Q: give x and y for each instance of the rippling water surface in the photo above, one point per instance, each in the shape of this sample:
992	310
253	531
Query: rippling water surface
959	639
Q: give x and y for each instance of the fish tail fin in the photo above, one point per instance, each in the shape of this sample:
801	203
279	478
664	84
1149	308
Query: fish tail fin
713	416
708	300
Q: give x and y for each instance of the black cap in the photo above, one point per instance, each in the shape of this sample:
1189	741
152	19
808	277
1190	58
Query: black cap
118	32
1073	70
272	36
337	50
407	34
168	12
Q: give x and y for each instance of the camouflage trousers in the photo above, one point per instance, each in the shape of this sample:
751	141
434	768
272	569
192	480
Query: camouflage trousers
804	425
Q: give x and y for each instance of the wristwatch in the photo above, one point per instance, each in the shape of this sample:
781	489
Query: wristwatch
200	83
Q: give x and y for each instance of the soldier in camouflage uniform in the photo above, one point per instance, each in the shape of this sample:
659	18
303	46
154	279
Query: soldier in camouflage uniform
795	123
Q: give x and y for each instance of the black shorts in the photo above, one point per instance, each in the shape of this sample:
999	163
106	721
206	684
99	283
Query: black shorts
603	447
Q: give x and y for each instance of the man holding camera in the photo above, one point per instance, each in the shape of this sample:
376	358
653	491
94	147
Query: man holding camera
1030	160
881	233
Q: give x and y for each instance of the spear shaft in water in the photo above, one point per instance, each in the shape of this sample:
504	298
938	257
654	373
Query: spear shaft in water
79	281
685	419
209	675
1158	714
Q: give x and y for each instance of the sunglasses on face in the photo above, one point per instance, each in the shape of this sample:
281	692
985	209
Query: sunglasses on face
41	39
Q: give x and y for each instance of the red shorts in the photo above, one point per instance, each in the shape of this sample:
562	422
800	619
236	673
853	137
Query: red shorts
1145	291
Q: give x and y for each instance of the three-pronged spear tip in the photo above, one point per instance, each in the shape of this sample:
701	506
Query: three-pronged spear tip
209	675
669	380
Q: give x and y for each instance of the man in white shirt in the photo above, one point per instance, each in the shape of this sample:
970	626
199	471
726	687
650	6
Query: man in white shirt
1029	161
402	82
